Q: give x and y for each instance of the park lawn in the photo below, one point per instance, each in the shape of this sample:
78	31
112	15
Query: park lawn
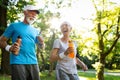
91	76
5	77
83	76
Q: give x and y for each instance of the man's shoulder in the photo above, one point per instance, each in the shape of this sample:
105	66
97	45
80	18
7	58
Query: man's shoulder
16	23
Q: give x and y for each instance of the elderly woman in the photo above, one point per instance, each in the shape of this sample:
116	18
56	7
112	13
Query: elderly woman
66	65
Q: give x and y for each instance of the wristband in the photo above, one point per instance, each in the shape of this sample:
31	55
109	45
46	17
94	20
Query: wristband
7	48
61	55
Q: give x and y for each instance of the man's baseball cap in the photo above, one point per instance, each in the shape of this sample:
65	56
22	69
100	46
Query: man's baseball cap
32	8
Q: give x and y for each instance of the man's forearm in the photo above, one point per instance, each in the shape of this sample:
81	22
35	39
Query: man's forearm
3	42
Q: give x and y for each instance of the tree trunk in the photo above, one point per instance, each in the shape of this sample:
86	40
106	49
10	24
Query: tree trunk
51	69
40	55
100	70
5	66
43	60
3	17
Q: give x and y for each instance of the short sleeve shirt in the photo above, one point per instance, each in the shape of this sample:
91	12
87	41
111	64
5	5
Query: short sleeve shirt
66	64
27	54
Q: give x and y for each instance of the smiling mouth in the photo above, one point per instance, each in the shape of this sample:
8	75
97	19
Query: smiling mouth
65	31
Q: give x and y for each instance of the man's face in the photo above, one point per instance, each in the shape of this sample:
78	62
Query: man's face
30	16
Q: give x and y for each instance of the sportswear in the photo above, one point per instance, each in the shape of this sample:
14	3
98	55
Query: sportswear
28	34
66	64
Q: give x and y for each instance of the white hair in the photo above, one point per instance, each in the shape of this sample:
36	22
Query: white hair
66	23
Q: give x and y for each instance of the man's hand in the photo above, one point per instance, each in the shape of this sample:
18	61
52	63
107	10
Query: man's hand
43	45
15	48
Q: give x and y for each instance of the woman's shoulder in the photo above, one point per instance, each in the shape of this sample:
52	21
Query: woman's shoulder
75	42
58	39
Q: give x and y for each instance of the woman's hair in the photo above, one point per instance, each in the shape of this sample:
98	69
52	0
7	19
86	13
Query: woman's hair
66	23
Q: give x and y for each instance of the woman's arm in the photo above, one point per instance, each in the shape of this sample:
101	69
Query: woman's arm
82	64
54	55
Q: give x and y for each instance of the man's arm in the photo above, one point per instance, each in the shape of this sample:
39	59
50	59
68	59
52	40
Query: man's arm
41	42
10	48
3	41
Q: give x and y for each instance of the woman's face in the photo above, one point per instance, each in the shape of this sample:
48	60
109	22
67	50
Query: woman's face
65	29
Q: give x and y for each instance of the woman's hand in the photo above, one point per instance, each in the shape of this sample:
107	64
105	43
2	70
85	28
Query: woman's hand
82	64
84	67
69	50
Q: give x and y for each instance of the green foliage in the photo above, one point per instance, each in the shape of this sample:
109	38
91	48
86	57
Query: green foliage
14	11
107	16
113	60
98	66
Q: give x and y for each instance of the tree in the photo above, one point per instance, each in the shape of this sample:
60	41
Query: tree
110	24
5	68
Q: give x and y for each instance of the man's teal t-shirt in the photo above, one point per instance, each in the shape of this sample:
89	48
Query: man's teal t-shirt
28	34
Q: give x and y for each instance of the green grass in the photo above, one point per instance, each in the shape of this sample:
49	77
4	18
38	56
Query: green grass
114	70
45	76
92	76
5	77
83	76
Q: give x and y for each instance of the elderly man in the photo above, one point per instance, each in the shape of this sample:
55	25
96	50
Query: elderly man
23	60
